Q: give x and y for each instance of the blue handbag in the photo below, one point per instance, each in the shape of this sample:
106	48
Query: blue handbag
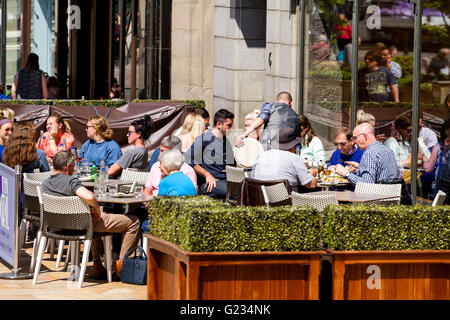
134	268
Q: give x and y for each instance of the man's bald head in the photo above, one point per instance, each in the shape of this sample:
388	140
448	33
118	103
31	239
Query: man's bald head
366	128
284	97
364	135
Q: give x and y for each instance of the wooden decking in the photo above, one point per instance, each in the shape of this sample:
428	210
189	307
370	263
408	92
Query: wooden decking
53	285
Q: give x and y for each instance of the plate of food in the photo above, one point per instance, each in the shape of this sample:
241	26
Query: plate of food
123	195
333	179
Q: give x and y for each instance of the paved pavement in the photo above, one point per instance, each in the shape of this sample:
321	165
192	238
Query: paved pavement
53	284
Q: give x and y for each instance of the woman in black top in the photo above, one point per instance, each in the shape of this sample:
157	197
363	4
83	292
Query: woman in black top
30	82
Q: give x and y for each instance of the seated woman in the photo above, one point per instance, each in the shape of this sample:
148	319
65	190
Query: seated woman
312	147
58	137
20	149
193	126
137	157
6	127
175	182
156	173
100	146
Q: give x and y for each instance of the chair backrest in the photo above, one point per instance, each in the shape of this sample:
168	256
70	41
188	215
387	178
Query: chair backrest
39	176
139	177
276	195
439	198
235	176
318	202
31	196
65	216
394	190
251	193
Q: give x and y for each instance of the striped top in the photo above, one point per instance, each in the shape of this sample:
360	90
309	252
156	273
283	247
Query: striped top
377	164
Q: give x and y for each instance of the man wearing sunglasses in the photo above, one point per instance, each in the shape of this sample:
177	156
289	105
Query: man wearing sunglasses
347	150
378	162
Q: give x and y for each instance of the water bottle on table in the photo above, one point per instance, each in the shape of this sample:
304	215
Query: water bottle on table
93	171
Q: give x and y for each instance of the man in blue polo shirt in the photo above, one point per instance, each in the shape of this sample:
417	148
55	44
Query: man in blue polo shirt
210	153
347	150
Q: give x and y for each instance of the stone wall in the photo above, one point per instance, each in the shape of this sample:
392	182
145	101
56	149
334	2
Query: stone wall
192	72
239	43
282	50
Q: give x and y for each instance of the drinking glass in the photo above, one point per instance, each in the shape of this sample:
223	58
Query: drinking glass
98	190
113	188
138	191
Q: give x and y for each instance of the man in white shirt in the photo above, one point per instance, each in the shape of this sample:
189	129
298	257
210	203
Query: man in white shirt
283	163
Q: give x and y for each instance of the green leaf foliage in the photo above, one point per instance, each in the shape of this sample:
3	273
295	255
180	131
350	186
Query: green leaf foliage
195	103
375	227
200	224
338	105
104	103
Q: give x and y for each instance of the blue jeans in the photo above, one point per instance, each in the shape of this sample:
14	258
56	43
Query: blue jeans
220	191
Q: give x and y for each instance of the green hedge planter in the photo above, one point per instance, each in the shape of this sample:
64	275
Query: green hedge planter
339	105
97	103
359	227
194	103
200	224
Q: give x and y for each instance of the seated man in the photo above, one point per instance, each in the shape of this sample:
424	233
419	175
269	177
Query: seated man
62	183
156	173
210	153
378	162
347	149
283	163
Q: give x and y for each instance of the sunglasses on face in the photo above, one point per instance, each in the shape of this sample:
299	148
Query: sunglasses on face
130	132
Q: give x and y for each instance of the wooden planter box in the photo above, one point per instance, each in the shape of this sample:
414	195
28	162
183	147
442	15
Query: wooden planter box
177	274
403	275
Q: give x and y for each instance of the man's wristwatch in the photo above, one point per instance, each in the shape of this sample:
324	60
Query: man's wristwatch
347	173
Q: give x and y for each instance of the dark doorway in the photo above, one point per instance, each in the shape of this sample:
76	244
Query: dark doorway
158	55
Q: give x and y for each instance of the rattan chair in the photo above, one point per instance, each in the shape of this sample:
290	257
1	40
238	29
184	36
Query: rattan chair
276	195
235	176
39	176
439	199
394	190
139	178
32	211
69	218
318	202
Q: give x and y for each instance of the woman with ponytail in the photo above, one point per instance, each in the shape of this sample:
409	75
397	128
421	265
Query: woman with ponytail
58	137
137	157
100	145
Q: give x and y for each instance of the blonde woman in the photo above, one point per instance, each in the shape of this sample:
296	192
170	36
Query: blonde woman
248	120
362	117
193	126
7	113
100	145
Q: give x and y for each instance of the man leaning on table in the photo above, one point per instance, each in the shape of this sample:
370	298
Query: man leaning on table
62	183
377	164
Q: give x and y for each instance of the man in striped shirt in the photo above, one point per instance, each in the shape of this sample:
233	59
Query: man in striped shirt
378	162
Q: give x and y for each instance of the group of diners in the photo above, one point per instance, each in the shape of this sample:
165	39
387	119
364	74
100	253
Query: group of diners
193	159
